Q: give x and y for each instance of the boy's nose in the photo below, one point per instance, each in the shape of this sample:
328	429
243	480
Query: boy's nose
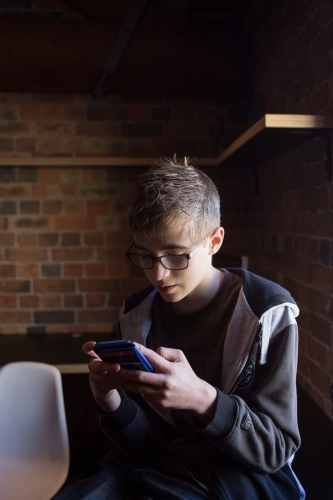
158	272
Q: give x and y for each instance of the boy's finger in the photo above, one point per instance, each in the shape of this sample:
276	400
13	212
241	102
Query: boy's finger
172	355
161	356
88	347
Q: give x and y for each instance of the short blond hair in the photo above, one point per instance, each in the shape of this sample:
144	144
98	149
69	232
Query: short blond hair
172	196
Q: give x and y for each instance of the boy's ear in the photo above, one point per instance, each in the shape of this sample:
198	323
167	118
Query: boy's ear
216	240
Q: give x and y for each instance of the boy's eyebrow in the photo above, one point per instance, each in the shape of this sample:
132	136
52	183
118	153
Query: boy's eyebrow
166	247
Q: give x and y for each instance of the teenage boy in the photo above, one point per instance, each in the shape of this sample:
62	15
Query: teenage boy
217	419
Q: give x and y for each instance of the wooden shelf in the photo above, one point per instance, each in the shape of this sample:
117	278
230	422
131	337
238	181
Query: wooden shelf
271	135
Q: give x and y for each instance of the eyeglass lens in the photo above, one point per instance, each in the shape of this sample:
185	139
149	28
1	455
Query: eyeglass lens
168	261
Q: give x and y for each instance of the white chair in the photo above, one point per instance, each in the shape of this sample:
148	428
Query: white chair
34	449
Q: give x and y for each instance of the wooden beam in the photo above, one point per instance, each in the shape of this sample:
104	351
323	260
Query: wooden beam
55	56
101	10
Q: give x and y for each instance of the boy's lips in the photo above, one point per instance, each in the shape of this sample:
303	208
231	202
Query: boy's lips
166	289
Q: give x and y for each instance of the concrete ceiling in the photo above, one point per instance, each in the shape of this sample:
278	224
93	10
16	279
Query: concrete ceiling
179	47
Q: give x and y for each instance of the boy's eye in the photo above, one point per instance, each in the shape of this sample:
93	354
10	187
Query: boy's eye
144	256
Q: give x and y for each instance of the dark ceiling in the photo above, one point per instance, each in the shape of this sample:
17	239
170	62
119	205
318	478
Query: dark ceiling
178	47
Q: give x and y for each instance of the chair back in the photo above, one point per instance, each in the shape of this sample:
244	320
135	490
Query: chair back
34	448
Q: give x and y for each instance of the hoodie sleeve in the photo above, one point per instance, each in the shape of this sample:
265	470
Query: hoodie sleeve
262	433
139	433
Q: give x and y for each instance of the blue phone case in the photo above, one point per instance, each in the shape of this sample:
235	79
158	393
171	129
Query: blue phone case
133	359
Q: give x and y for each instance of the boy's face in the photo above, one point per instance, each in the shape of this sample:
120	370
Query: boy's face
190	285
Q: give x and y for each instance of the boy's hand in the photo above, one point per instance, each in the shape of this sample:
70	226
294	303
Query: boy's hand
102	381
173	385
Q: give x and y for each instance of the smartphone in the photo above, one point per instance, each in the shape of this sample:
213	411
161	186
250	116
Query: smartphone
123	352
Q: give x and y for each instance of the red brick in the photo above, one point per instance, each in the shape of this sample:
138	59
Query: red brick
73	301
51	301
72	254
48	144
29	223
54	286
117	270
314	250
7	270
116	300
74	207
6	145
15	191
14	286
95	300
97	316
15	97
49	175
15	317
8	113
95	238
319	378
71	145
52	207
50	98
75	112
70	239
322	277
7	239
52	113
110	254
8	301
53	191
97	128
118	238
26	255
29	301
73	270
75	222
98	285
15	128
97	207
95	176
57	328
95	269
292	267
27	240
54	316
95	146
95	113
29	270
48	239
25	144
131	285
321	329
30	112
117	113
138	114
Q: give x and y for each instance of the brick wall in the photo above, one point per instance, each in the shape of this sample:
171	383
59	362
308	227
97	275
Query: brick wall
78	125
63	231
292	216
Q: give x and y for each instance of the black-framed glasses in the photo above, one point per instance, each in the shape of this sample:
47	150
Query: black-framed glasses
171	262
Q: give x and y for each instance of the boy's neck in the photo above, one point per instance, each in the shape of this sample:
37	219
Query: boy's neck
197	301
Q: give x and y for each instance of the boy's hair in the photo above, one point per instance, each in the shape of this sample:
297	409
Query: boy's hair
176	197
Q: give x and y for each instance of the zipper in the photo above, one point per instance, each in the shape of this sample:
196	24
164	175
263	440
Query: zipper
250	360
